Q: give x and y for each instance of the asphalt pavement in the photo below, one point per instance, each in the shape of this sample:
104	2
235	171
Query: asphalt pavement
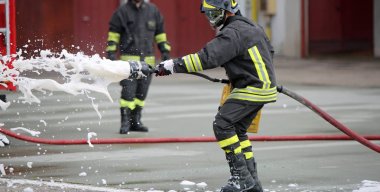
184	106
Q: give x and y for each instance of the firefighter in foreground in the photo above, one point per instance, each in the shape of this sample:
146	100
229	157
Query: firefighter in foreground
133	29
245	52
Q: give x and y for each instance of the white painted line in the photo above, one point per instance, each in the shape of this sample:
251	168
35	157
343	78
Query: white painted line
12	182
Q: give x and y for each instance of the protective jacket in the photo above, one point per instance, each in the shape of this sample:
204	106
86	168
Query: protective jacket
245	52
133	30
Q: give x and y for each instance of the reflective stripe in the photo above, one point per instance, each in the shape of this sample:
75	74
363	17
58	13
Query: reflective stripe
139	102
234	3
207	6
112	36
150	60
227	142
248	155
189	66
245	144
196	62
254	98
254	94
111	48
161	38
260	66
130	58
236	151
193	63
167	47
256	91
130	104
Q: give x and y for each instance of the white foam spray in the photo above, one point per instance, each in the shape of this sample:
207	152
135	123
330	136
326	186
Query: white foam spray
82	74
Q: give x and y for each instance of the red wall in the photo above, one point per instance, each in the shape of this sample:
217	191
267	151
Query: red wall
84	23
340	26
91	24
187	28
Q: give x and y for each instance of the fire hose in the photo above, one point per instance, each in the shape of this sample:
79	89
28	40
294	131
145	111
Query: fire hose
349	134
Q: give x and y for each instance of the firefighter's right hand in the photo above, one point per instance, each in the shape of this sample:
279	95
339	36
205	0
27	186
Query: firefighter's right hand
165	68
3	140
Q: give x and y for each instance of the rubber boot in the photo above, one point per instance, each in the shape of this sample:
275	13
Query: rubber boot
3	98
241	179
136	121
125	120
252	168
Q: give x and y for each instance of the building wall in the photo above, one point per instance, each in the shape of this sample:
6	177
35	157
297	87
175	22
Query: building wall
377	28
286	28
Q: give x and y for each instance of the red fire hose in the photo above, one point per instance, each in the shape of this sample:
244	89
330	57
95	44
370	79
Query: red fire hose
350	135
175	140
330	119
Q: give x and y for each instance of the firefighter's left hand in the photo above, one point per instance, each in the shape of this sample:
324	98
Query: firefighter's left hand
3	140
165	68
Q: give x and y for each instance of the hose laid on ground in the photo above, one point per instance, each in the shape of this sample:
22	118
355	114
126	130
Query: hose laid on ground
351	135
175	140
329	119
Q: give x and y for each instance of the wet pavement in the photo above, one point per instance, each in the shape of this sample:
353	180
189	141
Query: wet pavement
184	106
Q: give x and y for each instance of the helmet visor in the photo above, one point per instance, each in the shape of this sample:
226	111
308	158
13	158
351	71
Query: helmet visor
215	16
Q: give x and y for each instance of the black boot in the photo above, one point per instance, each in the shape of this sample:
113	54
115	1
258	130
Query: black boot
125	120
252	168
3	98
136	121
241	179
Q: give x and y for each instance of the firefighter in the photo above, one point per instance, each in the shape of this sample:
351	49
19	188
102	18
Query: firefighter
133	28
246	54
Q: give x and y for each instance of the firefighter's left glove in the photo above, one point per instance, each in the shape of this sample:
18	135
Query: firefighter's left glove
139	69
165	68
3	140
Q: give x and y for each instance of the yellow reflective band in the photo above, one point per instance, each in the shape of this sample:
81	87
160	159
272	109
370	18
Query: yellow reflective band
254	98
245	144
233	3
248	155
130	104
167	47
256	91
130	58
188	64
196	62
207	6
150	60
260	66
139	102
160	38
111	48
237	150
229	141
112	36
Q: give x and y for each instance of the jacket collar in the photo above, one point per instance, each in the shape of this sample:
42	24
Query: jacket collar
234	18
131	4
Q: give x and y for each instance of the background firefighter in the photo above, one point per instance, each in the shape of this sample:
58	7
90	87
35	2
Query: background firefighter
245	52
133	29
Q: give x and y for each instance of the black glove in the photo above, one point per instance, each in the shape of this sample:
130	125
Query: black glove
139	69
165	56
165	68
111	55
